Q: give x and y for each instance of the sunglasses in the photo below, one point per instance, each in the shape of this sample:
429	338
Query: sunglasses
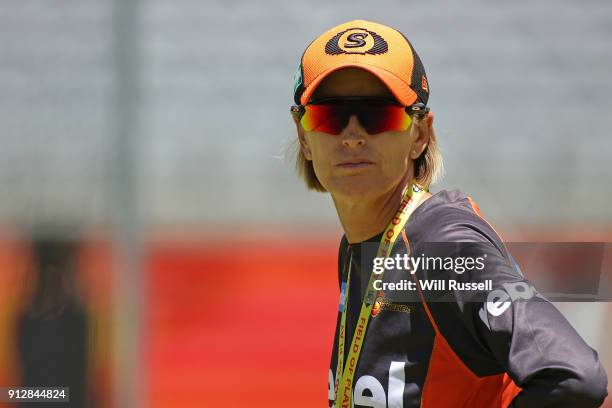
376	115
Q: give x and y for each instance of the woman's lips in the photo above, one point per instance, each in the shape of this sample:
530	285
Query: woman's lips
355	164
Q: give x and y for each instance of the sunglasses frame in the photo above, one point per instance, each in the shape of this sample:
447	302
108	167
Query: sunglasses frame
416	109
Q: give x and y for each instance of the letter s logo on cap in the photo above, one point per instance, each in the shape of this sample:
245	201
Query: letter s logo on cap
356	41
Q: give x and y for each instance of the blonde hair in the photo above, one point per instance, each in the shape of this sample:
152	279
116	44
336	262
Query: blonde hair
428	168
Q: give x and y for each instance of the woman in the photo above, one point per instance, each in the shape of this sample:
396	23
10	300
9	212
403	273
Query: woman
366	136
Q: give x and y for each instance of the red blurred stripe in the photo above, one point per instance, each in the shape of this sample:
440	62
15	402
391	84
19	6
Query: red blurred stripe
241	323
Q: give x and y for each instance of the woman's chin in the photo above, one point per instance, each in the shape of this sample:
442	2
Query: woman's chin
358	187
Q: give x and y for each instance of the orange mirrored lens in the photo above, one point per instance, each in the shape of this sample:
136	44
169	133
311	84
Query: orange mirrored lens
332	118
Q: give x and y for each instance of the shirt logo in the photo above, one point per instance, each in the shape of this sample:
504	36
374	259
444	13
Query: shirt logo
382	303
377	306
356	41
500	300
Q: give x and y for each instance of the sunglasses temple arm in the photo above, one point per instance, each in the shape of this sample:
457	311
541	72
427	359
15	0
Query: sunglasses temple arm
417	109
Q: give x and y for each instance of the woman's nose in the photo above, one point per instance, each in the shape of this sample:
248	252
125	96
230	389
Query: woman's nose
353	134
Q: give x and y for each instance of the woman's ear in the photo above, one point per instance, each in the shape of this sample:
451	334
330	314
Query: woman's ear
424	128
302	139
430	119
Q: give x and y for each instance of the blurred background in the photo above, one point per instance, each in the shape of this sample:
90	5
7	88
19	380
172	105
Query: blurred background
156	246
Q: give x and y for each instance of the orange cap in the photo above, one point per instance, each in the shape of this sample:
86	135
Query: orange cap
376	48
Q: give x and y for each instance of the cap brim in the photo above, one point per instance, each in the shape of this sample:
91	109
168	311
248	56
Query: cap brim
402	92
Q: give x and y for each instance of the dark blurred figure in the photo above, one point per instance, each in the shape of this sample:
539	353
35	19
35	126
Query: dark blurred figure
52	332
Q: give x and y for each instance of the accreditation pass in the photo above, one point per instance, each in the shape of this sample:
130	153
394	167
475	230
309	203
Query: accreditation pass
34	394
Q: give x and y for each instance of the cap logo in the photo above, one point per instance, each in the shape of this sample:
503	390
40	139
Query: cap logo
356	41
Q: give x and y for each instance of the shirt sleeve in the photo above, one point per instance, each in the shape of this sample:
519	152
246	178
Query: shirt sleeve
512	328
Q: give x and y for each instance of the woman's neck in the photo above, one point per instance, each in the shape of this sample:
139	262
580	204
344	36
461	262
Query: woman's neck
366	218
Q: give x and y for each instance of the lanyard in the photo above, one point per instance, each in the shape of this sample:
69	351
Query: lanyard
345	372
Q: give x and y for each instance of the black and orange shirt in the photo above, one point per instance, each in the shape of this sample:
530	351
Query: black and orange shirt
516	351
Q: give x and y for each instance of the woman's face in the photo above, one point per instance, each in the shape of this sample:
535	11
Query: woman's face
355	163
